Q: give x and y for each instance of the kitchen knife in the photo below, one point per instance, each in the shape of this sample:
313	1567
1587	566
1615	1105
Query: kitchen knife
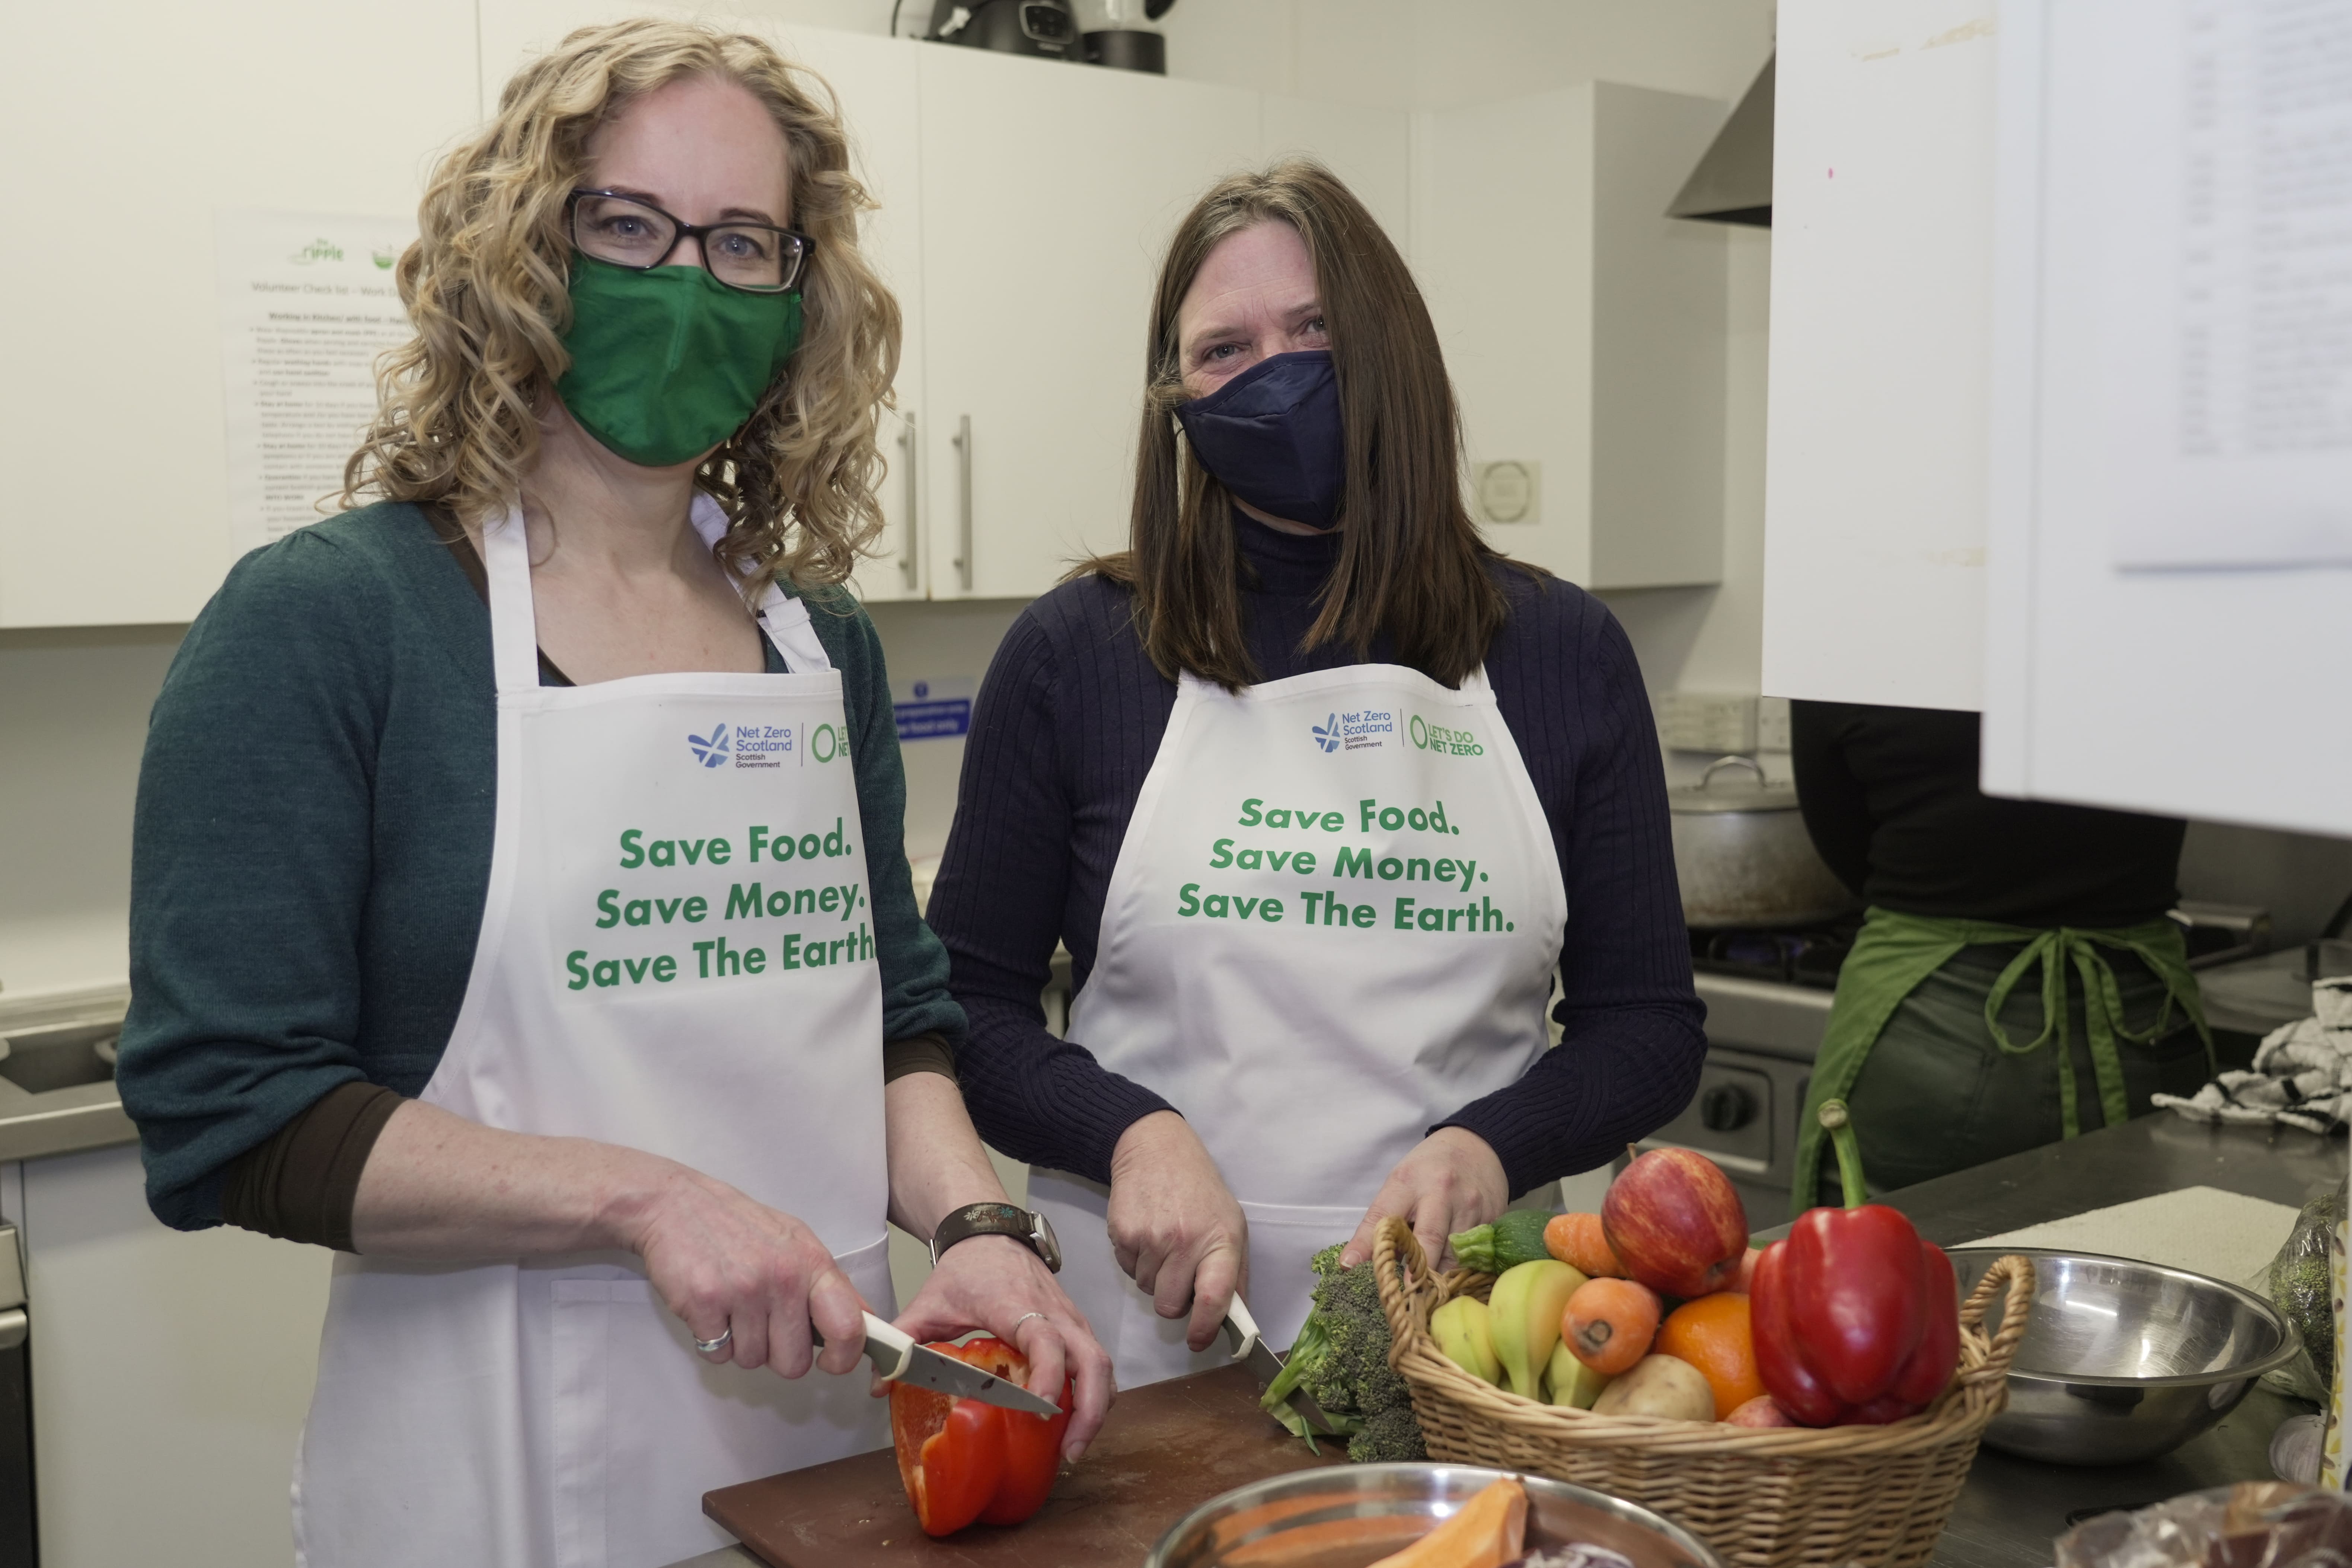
1264	1362
897	1358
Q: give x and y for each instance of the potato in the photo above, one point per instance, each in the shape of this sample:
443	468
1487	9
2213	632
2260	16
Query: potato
1659	1385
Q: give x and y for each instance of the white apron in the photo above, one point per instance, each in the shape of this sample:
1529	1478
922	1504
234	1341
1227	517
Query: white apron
1333	921
676	955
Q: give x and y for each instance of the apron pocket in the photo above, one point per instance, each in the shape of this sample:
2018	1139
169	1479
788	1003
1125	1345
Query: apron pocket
641	1427
1284	1238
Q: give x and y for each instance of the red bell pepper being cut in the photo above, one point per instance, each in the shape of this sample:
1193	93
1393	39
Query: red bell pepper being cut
962	1460
1856	1319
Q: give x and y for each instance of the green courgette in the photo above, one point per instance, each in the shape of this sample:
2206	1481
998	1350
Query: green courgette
1516	1238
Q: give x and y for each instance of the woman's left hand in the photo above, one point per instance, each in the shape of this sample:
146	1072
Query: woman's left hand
994	1283
1450	1181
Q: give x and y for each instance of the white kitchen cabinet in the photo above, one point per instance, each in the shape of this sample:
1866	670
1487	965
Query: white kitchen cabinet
1370	148
132	123
1583	328
877	82
1875	455
1049	192
170	1373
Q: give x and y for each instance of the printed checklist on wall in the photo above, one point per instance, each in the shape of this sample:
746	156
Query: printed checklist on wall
933	707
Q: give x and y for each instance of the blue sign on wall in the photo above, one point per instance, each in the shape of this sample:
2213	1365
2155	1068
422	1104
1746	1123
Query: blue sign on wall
936	709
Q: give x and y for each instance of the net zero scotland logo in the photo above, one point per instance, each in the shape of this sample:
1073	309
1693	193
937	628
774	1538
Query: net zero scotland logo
1358	732
766	745
710	750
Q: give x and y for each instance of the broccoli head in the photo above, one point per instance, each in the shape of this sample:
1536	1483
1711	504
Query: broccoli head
1389	1438
1342	1362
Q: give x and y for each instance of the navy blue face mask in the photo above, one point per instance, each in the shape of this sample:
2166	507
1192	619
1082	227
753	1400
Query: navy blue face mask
1272	436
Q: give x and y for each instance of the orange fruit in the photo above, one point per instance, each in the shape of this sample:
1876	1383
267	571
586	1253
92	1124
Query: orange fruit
1712	1334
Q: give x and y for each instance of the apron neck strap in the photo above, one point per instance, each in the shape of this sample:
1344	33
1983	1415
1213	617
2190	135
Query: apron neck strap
1475	683
785	620
514	627
514	630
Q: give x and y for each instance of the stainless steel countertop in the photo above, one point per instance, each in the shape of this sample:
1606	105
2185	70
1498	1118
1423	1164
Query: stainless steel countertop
2011	1510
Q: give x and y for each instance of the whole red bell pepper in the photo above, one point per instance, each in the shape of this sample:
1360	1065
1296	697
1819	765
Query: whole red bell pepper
1856	1319
964	1460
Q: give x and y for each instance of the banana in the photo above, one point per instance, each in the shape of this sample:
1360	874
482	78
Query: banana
1462	1332
1523	1314
1567	1381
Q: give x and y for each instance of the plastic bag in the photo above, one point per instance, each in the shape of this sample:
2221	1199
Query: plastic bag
2300	1281
2255	1524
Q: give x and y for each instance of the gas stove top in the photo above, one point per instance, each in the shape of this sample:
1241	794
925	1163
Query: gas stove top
1809	957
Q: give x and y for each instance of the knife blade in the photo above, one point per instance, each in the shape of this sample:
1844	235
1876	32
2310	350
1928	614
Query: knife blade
897	1358
1266	1363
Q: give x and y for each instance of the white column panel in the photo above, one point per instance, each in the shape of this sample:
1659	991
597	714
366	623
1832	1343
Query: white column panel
1874	488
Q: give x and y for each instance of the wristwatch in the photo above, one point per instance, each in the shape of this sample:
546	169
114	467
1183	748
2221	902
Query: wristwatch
1031	1230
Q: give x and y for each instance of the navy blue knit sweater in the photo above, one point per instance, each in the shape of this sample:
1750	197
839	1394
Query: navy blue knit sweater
1067	724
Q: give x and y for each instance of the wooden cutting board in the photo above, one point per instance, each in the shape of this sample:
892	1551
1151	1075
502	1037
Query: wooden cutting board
1164	1450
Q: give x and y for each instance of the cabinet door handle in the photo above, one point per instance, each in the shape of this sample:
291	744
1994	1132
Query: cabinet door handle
963	493
908	448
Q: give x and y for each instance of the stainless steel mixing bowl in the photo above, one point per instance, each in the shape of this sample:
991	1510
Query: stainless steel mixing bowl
1349	1515
2124	1361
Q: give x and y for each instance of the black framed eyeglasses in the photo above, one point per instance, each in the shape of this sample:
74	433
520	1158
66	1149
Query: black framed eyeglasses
757	258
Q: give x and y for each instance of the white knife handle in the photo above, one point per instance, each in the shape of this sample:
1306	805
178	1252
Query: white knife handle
879	1333
1241	1328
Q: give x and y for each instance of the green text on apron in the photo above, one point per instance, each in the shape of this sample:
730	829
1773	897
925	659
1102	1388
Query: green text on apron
1333	923
675	956
1895	953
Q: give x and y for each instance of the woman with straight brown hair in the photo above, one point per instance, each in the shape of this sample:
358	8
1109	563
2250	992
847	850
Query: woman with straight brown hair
1319	791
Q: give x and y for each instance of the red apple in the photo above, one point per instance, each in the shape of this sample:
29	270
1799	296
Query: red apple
1759	1412
1675	1222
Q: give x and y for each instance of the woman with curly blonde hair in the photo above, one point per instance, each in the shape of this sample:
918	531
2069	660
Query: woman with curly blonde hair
519	905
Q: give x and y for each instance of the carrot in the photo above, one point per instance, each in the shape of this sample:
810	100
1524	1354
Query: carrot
1576	1239
1609	1323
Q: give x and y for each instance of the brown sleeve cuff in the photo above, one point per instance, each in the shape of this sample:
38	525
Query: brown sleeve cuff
918	1053
300	1182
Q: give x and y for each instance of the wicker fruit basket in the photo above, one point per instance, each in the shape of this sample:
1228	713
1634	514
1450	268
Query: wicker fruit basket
1763	1497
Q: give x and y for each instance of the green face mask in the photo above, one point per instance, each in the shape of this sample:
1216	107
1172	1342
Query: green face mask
667	364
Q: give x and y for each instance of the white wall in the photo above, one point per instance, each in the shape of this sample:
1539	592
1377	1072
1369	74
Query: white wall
73	718
956	637
1438	54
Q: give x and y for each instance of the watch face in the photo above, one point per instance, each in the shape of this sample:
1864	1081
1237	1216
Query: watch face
1048	1248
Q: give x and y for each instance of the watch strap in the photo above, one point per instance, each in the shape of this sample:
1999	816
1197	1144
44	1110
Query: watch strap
984	1219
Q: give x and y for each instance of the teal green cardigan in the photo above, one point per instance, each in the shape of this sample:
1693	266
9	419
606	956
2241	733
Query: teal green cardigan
312	844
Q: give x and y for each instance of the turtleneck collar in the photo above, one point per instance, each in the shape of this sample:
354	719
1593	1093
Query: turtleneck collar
1288	565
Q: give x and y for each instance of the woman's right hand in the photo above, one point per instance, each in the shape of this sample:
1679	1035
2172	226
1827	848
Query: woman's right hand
725	1264
1175	1228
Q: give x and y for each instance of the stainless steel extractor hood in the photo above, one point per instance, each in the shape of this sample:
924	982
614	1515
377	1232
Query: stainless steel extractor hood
1733	182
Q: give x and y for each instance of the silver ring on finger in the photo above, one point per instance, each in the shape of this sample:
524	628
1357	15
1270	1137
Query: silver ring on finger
712	1347
1021	1319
